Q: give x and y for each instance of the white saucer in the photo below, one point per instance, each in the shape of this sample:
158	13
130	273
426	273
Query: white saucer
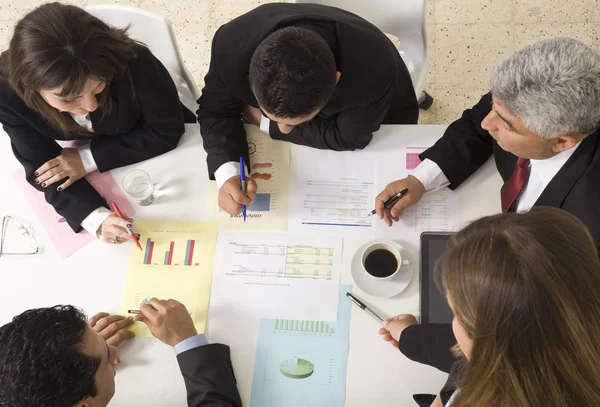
380	288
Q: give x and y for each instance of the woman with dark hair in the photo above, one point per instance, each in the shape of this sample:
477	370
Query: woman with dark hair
69	76
524	291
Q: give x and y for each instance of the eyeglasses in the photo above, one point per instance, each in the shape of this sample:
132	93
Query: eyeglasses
35	248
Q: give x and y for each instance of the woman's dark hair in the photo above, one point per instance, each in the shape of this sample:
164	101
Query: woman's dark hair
292	73
61	46
525	288
42	361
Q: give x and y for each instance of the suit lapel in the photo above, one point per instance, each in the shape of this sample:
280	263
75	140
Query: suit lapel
560	186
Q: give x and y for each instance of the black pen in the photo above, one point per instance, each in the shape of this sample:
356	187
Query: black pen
133	311
391	201
365	308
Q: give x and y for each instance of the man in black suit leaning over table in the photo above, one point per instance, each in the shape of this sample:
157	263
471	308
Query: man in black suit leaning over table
541	123
52	357
309	74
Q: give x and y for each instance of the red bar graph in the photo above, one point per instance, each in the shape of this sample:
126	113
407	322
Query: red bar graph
171	253
150	250
191	252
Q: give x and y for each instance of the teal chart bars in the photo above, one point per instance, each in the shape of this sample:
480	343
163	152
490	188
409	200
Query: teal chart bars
302	363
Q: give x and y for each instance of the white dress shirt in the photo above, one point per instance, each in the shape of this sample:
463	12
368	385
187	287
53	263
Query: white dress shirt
93	221
541	173
232	168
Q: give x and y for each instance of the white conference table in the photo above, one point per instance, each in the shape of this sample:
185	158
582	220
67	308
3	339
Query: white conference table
94	279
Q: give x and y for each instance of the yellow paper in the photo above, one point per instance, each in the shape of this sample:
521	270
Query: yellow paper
165	269
269	167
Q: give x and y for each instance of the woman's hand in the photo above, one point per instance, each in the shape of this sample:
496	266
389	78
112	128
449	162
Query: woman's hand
393	328
67	165
113	229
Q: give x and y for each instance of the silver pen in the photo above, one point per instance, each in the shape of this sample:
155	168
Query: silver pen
365	308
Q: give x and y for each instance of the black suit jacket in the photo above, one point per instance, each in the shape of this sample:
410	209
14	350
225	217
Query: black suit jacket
375	83
430	344
466	146
209	377
140	126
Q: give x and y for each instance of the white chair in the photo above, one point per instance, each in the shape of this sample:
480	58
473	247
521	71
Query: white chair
406	20
156	32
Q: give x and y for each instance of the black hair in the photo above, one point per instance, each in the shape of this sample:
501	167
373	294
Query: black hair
292	73
42	361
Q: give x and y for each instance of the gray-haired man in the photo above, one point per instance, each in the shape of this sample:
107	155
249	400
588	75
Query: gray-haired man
540	122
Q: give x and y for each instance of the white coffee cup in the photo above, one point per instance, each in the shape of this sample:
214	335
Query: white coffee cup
390	247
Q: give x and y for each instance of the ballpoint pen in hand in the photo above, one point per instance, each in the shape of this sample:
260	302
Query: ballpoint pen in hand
131	234
243	182
365	308
391	201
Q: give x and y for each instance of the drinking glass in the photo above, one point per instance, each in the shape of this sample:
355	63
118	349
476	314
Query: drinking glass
138	185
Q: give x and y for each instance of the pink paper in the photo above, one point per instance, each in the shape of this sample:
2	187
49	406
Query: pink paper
412	161
61	235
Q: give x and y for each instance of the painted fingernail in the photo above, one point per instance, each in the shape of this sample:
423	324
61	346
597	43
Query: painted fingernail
129	225
37	181
59	188
37	173
138	235
44	184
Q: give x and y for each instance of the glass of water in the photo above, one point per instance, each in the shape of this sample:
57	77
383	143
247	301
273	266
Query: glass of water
138	185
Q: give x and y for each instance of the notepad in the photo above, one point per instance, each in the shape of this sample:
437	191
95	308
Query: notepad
65	241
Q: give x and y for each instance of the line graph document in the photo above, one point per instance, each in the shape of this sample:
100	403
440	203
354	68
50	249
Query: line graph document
333	190
278	275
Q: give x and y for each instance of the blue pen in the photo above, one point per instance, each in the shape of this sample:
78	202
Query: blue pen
243	182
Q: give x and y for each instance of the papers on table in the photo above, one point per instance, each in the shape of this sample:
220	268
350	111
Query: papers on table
332	190
269	167
278	276
176	262
60	233
303	363
336	190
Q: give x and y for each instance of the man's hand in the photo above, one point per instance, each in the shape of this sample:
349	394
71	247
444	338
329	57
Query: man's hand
67	164
113	230
168	320
252	115
394	326
414	195
110	327
231	198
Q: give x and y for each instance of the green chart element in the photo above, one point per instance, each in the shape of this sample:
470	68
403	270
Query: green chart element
300	327
296	368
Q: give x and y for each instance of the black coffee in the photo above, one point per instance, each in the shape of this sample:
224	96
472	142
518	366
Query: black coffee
381	263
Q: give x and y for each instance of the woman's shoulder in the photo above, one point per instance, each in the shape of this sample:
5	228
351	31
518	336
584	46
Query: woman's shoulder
8	96
143	56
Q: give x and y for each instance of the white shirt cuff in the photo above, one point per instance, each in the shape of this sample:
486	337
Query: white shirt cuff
265	124
190	343
226	171
85	153
93	221
431	175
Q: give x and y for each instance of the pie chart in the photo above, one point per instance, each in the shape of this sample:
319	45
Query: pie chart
296	368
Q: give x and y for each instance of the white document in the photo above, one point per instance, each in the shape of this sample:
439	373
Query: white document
277	276
331	192
438	211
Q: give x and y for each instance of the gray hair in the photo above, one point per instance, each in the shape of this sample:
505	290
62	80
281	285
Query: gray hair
553	86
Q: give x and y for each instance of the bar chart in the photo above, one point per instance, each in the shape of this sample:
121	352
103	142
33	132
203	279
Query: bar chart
173	256
304	328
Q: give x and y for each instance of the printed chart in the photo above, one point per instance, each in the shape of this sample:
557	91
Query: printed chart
269	168
176	262
302	363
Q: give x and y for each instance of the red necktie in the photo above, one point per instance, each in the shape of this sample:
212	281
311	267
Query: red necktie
515	184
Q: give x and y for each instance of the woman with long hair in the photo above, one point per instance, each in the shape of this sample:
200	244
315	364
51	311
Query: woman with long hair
69	76
524	291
